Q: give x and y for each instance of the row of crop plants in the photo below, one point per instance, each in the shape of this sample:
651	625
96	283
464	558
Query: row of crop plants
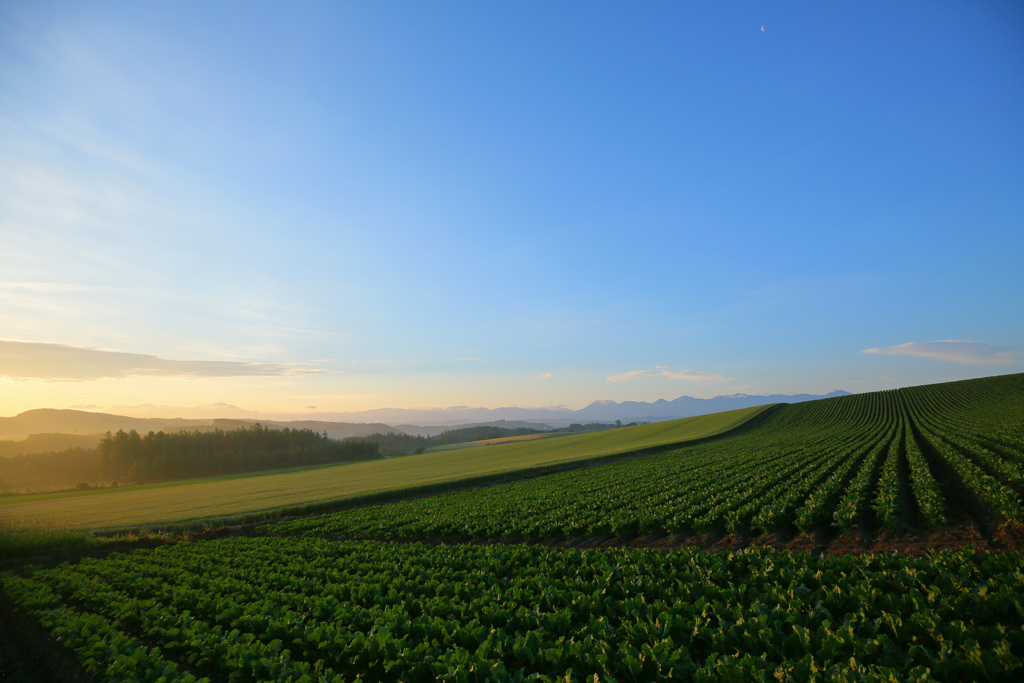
697	488
307	609
875	460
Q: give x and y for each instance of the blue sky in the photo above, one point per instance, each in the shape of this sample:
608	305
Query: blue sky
359	205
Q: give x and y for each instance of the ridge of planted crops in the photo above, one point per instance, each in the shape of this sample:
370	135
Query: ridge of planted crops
948	454
305	490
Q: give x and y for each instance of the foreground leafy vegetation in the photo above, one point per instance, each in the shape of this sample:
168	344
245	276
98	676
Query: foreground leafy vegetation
305	609
923	456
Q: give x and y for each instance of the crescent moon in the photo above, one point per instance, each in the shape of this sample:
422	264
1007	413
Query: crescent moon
762	28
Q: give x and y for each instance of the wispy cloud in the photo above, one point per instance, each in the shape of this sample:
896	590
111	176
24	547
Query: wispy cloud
953	350
35	360
632	374
468	358
663	371
691	376
542	376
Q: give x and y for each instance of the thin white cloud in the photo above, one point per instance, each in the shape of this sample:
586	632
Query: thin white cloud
542	376
468	358
663	371
953	350
632	374
36	360
691	376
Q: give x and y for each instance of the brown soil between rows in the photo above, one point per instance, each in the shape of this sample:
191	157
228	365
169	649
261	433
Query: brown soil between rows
29	653
905	541
909	542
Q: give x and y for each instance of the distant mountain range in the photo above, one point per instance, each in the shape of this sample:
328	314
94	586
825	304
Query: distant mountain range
52	422
361	423
598	411
687	406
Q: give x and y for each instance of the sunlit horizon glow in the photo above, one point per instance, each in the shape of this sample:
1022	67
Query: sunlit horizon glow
357	206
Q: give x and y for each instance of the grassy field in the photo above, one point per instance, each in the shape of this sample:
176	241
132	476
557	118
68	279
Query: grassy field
198	502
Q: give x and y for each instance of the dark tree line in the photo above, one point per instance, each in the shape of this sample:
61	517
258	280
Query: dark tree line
52	470
159	456
129	457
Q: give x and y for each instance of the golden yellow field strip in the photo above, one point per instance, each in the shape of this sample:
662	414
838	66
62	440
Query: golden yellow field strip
233	498
492	442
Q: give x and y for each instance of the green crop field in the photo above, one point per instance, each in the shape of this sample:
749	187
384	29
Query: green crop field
919	457
269	609
228	499
295	603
